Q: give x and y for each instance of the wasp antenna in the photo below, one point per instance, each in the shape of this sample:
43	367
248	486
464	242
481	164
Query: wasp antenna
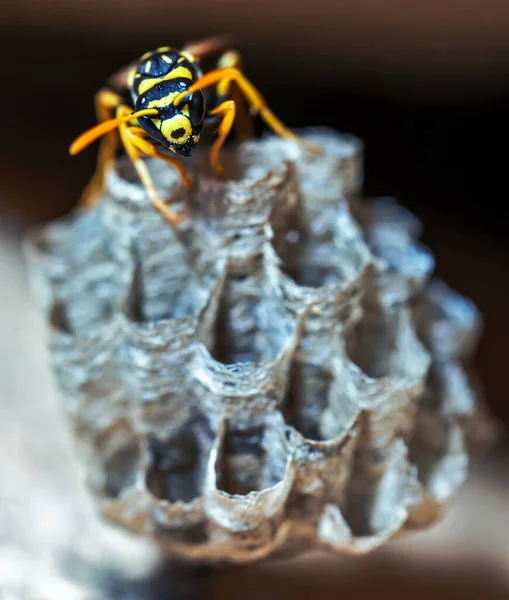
91	135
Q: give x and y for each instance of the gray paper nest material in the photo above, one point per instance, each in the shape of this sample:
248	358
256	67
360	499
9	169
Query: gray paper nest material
274	376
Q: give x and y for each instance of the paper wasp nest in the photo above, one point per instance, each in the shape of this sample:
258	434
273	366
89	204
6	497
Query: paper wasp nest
281	373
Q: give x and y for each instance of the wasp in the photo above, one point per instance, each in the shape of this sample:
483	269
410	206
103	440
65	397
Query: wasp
159	106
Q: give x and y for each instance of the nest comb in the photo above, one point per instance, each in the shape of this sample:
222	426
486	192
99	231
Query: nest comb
279	373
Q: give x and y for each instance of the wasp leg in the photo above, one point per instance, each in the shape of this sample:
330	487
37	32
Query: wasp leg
243	122
132	144
252	95
106	103
227	111
148	148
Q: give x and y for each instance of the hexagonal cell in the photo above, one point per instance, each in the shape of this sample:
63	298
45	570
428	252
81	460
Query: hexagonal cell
373	513
178	305
232	215
252	325
323	468
138	234
92	297
330	251
155	357
124	190
241	392
313	385
390	367
245	330
384	344
239	211
437	446
236	328
438	452
118	460
323	404
334	172
307	399
391	232
448	323
75	244
449	391
252	459
84	365
178	464
121	469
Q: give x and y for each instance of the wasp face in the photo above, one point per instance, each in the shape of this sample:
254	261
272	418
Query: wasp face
177	128
181	127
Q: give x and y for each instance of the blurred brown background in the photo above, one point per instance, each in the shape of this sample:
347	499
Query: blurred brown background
424	84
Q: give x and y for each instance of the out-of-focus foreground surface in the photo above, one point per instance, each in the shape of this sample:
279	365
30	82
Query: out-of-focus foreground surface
425	86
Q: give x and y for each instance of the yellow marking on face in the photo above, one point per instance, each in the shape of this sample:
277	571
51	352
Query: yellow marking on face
162	102
163	49
148	65
185	110
166	59
180	125
146	55
148	83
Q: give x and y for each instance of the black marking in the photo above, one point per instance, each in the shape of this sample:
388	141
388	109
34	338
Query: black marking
178	133
160	91
159	67
245	441
148	125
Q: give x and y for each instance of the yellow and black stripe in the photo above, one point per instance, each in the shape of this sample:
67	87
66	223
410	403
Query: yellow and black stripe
159	103
156	80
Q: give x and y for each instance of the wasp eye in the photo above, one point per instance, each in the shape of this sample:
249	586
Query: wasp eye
196	104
